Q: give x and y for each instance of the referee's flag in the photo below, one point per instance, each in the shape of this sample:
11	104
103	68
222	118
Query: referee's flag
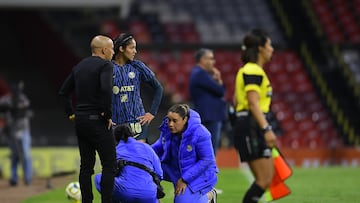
278	188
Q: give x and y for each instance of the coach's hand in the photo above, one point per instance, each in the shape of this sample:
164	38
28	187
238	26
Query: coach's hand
72	117
110	124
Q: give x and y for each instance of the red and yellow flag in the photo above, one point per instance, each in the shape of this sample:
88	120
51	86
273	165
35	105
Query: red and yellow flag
278	188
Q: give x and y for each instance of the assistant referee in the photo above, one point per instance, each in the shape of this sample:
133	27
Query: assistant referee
253	136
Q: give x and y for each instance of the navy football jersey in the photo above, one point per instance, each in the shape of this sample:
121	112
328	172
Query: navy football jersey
126	101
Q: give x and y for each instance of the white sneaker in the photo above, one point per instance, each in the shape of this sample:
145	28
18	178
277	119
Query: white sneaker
214	196
218	191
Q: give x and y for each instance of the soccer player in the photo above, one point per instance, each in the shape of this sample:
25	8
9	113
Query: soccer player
127	78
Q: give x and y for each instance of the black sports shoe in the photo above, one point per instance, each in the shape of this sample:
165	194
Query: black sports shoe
12	183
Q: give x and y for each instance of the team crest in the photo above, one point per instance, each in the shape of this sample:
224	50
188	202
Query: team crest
189	148
115	89
131	75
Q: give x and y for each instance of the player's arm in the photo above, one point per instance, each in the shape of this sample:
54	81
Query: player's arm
158	91
158	88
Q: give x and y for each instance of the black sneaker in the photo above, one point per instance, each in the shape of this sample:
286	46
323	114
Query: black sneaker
12	183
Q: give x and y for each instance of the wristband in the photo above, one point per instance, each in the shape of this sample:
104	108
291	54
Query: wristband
267	128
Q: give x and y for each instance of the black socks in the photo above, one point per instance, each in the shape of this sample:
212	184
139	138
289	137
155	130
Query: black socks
253	194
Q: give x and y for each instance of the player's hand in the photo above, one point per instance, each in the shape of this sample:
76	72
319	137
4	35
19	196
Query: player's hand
146	119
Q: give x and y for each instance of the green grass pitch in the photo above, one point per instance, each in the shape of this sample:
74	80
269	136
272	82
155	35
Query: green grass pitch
308	185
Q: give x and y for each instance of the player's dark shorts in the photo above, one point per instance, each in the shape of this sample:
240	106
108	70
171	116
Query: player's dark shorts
249	138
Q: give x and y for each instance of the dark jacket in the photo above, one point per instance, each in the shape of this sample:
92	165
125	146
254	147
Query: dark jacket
207	95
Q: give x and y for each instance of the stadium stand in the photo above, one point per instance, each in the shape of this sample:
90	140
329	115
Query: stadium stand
168	32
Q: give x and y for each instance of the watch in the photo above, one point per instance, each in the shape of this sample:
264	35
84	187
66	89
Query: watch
267	128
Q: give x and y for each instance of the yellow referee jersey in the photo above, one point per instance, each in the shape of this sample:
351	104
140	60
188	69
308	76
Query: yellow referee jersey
252	77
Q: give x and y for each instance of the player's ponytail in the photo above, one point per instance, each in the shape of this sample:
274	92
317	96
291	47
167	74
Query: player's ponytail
251	43
122	132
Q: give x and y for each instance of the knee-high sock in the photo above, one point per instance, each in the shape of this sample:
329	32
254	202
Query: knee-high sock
253	194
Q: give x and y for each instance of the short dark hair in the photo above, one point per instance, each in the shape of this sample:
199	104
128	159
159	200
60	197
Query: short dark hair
122	40
200	53
123	132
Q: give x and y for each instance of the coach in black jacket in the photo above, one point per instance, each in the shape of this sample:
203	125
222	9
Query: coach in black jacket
91	80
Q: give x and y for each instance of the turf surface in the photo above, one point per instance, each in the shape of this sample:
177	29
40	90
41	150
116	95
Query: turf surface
308	185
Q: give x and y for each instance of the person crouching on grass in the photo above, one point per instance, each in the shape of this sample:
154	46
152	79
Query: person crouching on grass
187	157
132	184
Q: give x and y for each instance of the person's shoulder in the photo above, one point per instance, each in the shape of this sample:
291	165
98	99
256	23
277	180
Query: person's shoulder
93	58
195	125
142	68
195	73
201	132
146	146
96	60
138	63
252	68
196	69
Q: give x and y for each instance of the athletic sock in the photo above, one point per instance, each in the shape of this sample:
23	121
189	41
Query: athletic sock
253	194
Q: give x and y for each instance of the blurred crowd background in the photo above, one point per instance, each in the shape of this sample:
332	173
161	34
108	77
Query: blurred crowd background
315	71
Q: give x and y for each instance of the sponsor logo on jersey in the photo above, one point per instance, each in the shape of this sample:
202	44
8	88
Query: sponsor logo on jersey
129	88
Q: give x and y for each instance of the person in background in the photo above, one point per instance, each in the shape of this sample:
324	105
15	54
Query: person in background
5	97
207	92
186	155
16	109
4	87
253	135
91	80
128	76
133	184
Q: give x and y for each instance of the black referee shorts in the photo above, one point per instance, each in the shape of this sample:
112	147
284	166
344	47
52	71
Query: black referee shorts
249	139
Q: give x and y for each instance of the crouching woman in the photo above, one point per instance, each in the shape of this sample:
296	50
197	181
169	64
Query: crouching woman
133	184
187	156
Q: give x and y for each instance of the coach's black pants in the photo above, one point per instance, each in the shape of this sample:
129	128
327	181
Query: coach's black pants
93	135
